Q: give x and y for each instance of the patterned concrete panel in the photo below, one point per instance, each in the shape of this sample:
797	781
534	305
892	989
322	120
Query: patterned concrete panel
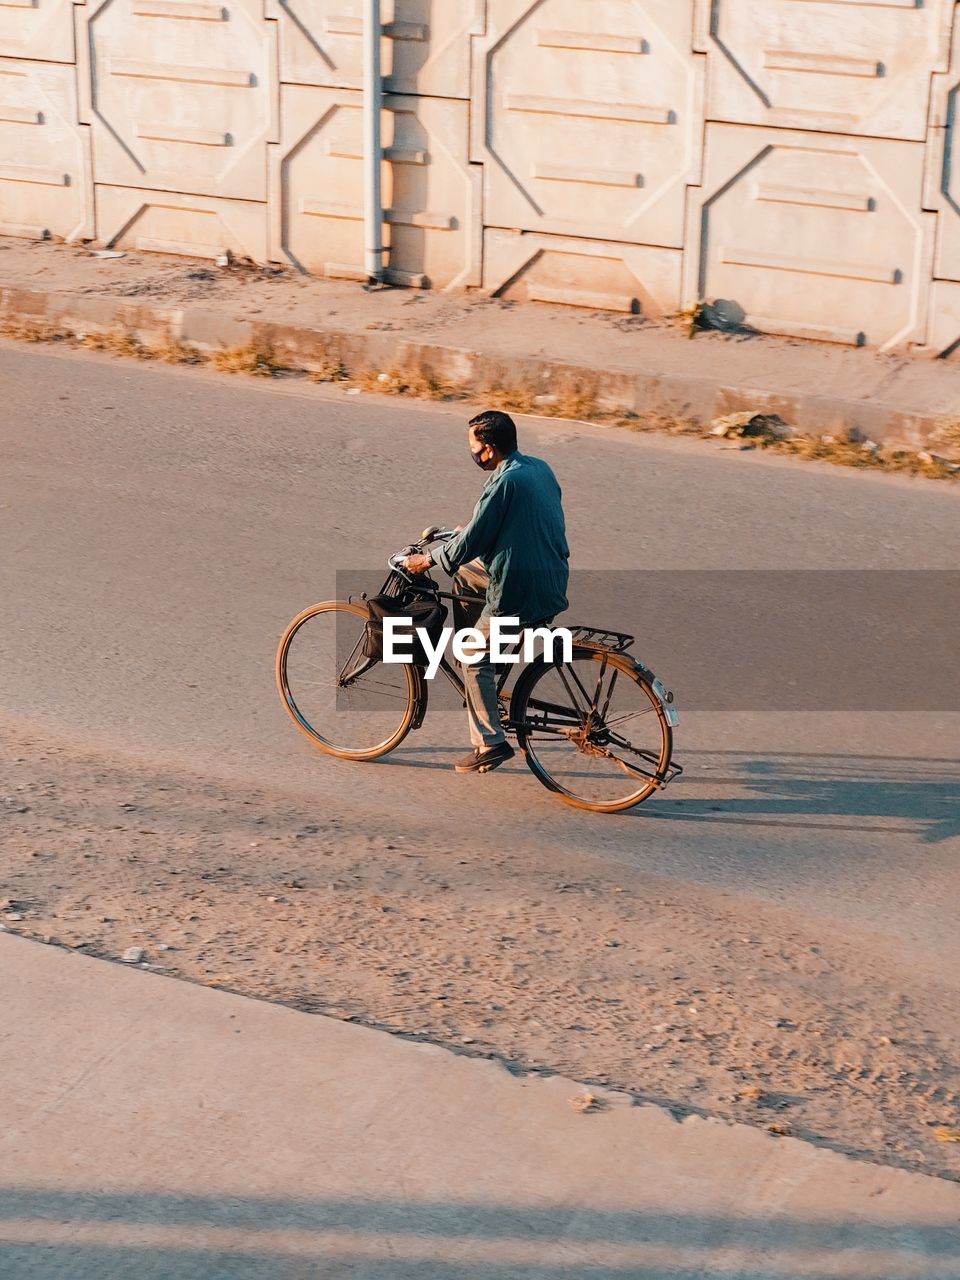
841	66
181	94
942	183
45	181
426	49
198	226
431	194
37	29
943	335
589	118
430	46
316	187
813	236
583	273
321	42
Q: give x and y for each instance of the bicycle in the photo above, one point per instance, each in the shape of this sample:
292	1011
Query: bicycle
571	719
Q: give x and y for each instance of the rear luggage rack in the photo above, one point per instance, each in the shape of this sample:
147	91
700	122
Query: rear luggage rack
601	638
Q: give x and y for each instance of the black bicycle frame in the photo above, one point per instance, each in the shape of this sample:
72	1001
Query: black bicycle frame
395	585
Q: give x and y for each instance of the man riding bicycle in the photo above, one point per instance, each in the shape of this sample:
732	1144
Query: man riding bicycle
517	537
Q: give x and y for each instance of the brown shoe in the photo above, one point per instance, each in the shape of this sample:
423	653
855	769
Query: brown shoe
485	758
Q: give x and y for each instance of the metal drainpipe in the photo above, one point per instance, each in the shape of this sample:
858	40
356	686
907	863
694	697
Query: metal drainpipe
372	144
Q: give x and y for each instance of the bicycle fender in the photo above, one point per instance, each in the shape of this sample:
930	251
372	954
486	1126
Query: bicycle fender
421	695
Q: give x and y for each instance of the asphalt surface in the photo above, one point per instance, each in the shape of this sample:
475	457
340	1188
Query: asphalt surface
159	527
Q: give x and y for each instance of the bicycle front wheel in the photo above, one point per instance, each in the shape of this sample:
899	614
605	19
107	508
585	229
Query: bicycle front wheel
594	731
348	706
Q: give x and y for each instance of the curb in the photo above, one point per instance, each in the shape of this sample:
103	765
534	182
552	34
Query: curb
637	392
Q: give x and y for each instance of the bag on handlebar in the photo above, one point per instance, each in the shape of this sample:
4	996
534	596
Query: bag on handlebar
425	614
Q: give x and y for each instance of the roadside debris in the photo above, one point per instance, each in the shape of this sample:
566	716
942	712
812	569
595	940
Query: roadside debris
937	459
724	315
780	1129
584	1102
753	426
752	1093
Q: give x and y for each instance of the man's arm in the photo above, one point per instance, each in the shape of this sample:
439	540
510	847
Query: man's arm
479	538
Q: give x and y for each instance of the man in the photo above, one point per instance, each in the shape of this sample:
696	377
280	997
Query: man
518	533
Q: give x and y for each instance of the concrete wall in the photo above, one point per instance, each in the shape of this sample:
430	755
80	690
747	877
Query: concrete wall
794	157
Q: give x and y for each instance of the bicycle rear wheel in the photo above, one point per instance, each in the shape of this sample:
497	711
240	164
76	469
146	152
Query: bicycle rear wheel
347	706
594	731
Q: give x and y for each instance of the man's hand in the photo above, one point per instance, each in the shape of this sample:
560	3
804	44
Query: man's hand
417	564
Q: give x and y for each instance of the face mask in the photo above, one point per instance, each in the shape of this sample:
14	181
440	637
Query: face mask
484	466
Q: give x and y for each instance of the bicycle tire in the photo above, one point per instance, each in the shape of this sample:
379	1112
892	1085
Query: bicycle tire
525	693
406	718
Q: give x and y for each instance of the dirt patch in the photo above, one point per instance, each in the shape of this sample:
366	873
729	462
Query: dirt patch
692	999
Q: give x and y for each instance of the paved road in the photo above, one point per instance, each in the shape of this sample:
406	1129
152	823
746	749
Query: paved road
160	526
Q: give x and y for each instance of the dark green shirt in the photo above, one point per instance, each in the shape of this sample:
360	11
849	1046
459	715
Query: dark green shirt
518	531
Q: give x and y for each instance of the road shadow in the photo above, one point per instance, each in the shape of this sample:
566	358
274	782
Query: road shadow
52	1235
831	793
866	794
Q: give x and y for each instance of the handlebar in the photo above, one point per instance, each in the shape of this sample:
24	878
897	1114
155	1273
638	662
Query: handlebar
428	538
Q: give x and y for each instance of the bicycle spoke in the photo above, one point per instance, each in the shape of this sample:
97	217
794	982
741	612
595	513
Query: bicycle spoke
631	715
387	690
573	697
580	686
596	693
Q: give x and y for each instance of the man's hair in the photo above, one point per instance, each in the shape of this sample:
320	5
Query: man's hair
497	429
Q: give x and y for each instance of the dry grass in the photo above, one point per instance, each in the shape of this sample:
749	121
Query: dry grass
572	399
116	342
570	396
408	380
511	397
662	424
426	385
171	350
850	453
258	361
689	319
332	369
31	331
